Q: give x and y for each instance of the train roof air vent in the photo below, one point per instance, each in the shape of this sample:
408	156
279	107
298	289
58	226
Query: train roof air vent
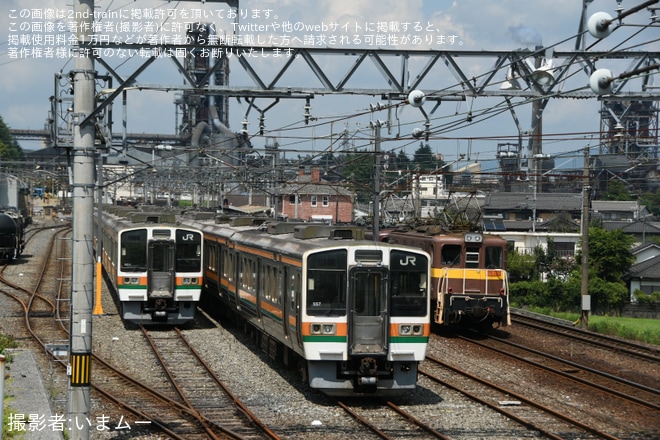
348	233
282	228
311	231
247	221
201	215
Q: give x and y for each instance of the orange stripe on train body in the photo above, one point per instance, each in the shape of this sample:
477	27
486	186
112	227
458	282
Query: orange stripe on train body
394	328
342	328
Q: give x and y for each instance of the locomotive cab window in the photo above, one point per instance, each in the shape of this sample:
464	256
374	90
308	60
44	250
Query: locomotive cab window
326	283
408	285
451	255
494	257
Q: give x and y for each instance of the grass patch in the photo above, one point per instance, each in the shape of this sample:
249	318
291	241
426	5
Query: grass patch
636	329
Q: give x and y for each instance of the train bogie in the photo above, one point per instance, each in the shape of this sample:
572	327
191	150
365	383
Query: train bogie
355	313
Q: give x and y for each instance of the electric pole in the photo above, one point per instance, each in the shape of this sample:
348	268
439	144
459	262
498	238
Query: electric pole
82	285
377	180
586	298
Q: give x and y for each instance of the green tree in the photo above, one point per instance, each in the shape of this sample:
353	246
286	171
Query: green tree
425	160
520	267
9	148
402	160
358	170
652	202
610	253
617	191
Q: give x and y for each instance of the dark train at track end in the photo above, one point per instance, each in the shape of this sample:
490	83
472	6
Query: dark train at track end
153	264
469	279
12	234
352	315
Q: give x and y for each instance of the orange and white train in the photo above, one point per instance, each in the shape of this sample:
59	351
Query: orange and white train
153	264
352	315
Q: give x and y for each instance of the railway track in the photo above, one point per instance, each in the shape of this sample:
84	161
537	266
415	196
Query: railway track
45	307
594	389
201	389
560	327
378	417
40	292
617	387
515	405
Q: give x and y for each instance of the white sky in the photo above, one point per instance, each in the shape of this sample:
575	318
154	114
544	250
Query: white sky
27	84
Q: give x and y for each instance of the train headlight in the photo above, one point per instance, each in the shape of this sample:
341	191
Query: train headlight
411	329
474	238
323	329
189	281
131	280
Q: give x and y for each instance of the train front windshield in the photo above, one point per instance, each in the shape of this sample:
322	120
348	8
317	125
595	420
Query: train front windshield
188	251
408	284
326	283
134	251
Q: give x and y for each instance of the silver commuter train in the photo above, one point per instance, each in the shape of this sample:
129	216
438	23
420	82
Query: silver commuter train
353	315
154	265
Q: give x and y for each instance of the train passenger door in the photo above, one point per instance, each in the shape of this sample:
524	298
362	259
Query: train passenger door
368	319
290	287
160	269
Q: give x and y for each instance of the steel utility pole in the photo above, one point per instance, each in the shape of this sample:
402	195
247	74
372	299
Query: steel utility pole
586	298
376	227
82	284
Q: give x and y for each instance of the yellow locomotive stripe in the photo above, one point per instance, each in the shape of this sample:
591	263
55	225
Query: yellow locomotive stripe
469	274
81	365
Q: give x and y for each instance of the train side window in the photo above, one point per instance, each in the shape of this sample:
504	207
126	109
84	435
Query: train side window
494	257
264	277
280	284
451	255
227	264
294	288
212	253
